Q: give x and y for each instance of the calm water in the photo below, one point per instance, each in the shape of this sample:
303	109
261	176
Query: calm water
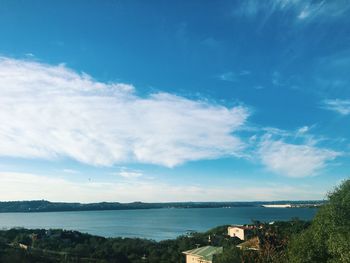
157	224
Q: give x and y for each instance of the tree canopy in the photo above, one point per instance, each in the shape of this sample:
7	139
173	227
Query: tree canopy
328	237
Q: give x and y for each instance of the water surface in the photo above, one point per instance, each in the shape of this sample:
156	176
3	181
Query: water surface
157	224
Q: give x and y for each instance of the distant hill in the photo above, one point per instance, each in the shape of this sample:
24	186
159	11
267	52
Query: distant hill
47	206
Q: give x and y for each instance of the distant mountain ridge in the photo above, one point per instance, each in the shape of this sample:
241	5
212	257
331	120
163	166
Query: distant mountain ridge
47	206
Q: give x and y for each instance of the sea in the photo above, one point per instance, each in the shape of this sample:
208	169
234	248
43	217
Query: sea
155	224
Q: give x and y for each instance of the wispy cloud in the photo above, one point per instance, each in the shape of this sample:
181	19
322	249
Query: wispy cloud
233	76
276	79
301	9
30	55
129	174
340	106
310	9
228	76
52	112
293	160
302	130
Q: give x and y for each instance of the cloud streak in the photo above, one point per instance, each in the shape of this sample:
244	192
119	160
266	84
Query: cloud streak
53	112
340	106
293	160
302	9
129	174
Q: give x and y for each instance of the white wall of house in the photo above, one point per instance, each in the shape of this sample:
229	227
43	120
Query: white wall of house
234	231
195	259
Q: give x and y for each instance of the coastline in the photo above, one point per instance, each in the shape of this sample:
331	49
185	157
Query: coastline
47	206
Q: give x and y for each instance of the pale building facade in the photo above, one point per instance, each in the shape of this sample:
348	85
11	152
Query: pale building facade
236	231
195	259
239	231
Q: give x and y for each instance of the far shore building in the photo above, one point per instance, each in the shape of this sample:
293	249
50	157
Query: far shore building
277	206
239	231
202	254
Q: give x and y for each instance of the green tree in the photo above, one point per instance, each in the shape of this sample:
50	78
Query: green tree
328	238
229	255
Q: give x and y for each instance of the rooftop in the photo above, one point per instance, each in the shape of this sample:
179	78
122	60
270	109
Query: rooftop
251	244
205	253
245	227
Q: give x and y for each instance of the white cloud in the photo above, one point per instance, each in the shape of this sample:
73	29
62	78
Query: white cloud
340	106
31	55
302	130
293	160
304	14
228	76
232	76
308	10
129	173
303	9
52	112
24	186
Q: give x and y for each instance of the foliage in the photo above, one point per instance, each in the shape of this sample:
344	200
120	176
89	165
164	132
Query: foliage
72	246
328	238
230	254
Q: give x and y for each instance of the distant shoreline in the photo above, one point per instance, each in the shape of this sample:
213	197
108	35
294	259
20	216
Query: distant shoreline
47	206
291	205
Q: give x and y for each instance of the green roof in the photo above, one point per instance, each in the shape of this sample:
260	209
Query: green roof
205	253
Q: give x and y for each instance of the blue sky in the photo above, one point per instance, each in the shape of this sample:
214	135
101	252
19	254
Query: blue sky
174	100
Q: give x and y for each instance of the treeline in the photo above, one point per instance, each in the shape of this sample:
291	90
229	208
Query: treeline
23	245
46	206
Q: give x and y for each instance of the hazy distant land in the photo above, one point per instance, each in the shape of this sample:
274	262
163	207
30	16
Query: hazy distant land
47	206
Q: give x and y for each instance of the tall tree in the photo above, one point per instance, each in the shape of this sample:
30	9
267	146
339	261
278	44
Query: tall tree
328	238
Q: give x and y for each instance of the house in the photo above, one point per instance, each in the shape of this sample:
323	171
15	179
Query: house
251	244
202	254
239	231
23	246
